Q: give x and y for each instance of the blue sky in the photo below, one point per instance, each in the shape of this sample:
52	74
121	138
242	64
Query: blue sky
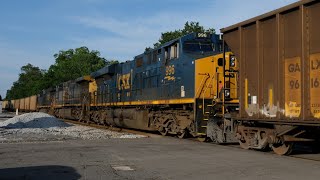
33	31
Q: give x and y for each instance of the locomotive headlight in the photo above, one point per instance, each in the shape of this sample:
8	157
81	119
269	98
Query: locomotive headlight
232	61
227	93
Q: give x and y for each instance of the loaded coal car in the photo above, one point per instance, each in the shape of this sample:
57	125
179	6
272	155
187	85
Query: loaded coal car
16	104
4	105
169	89
279	55
28	104
7	105
32	103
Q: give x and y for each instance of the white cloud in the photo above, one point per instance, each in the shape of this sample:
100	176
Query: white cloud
112	48
130	36
128	28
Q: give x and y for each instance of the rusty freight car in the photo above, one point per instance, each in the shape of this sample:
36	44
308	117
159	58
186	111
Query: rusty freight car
279	85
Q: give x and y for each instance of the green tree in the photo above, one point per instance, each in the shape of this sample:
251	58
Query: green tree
69	64
73	63
29	82
188	28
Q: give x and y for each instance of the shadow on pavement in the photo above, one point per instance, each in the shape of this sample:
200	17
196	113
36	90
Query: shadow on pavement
40	173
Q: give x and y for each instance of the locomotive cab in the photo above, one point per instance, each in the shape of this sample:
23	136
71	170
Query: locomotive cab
216	80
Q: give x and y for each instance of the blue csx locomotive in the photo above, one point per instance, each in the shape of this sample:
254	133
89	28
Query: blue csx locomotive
266	97
168	89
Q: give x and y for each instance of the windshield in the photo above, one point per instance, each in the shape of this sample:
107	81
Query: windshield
198	47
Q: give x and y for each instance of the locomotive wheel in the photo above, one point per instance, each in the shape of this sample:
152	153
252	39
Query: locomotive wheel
182	135
202	139
163	131
283	148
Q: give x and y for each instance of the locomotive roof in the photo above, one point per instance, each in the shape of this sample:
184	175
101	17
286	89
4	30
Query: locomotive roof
189	36
110	69
84	78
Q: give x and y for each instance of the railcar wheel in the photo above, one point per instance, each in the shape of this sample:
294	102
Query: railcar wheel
244	140
244	144
282	148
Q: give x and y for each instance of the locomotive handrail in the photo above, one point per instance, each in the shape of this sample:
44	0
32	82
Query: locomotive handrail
229	88
203	81
203	109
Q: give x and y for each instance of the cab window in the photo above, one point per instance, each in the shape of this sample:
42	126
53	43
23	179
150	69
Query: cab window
139	62
171	52
220	62
195	46
174	51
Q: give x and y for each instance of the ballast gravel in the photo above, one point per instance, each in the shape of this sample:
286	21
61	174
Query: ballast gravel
43	127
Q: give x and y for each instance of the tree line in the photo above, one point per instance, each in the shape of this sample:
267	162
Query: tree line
74	63
69	64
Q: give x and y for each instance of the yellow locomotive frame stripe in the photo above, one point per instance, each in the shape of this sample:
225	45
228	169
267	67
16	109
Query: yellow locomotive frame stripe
128	103
156	102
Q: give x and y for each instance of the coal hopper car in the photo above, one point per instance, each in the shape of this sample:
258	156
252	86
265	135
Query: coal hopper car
279	84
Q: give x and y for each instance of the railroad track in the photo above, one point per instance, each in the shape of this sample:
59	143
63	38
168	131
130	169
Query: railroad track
306	155
309	157
316	159
117	129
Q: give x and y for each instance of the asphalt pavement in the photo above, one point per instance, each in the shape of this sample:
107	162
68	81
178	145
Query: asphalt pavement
146	158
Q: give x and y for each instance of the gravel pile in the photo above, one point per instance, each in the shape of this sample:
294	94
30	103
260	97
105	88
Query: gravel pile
43	127
33	120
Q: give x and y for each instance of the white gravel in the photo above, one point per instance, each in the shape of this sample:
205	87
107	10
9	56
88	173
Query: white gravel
33	120
43	127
